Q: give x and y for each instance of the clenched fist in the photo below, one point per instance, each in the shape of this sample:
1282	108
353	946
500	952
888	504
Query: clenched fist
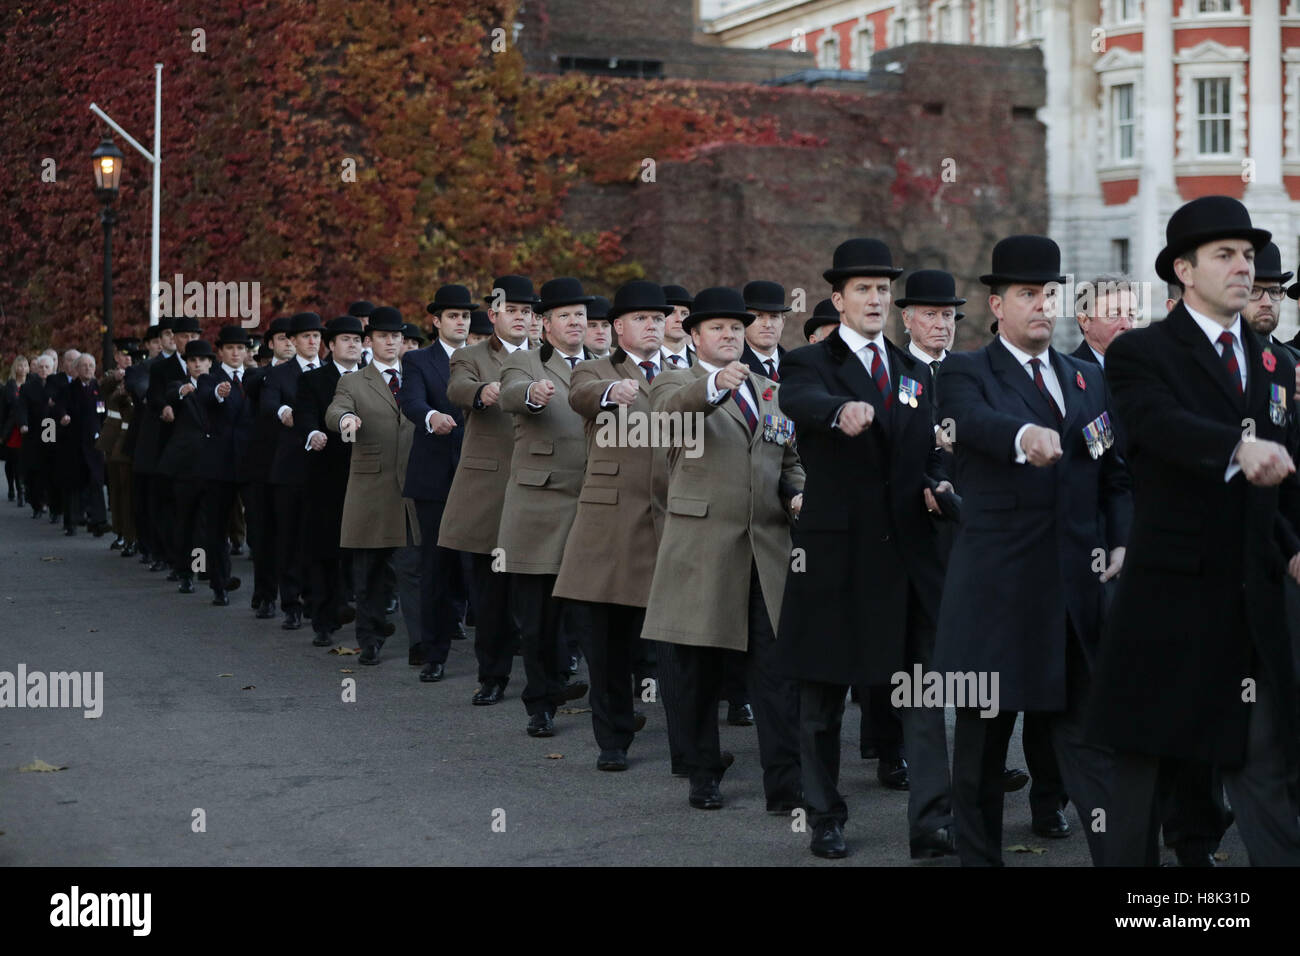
223	390
732	376
856	417
624	392
540	393
491	392
1042	446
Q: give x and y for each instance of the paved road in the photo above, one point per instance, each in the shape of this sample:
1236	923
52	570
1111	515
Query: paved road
286	772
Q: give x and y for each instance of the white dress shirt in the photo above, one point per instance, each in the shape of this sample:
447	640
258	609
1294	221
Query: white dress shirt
235	374
449	349
1049	379
1101	359
860	346
773	358
666	356
1212	332
304	365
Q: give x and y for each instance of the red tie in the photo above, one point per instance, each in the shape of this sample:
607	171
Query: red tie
649	370
881	376
1230	360
393	386
1042	387
751	419
239	384
771	371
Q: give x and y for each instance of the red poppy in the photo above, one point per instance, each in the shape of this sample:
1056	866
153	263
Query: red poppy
1078	380
767	395
1270	362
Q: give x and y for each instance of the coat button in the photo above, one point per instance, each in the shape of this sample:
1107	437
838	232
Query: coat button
884	537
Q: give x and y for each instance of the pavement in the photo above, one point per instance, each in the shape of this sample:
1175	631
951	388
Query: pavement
226	741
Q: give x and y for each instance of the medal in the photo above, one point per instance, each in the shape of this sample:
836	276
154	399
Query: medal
1094	436
908	389
1276	404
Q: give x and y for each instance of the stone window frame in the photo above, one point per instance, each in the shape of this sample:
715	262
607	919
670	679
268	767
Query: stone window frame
897	31
864	44
1112	13
1207	60
1291	104
829	38
1119	66
982	8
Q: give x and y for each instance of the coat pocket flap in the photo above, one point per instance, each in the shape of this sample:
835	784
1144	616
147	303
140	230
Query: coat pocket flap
599	467
688	506
481	464
599	496
532	478
541	447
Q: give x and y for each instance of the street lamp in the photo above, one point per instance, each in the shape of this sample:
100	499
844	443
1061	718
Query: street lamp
107	159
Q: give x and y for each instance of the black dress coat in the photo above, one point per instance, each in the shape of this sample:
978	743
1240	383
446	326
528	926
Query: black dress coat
327	474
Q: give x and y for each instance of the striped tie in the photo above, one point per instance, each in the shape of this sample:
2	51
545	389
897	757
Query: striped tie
750	418
1230	360
649	368
771	371
394	386
881	376
1042	387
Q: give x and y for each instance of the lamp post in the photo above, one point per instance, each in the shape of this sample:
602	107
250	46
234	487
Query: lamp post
107	159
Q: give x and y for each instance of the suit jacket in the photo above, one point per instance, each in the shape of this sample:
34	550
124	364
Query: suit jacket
327	470
375	515
750	358
609	556
546	469
727	513
231	427
864	536
164	371
1022	567
1199	608
77	461
426	373
187	448
33	409
473	514
289	460
141	444
266	429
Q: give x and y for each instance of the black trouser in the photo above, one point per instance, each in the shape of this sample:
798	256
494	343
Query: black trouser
32	471
97	516
188	526
218	498
141	495
162	517
290	509
369	569
259	506
494	637
325	590
438	567
880	725
734	668
1189	797
612	632
1046	790
539	615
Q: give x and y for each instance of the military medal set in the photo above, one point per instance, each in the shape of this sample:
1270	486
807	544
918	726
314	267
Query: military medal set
908	389
1099	435
1276	404
777	429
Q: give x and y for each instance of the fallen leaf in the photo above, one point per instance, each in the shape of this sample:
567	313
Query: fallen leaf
1221	856
344	670
39	766
249	687
555	756
225	675
345	650
1021	848
94	630
51	558
574	710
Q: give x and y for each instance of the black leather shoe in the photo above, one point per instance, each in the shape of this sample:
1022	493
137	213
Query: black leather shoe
128	551
489	692
98	530
432	673
541	724
186	586
934	844
459	633
157	565
638	722
575	690
784	805
266	610
828	841
573	665
322	639
742	716
706	796
292	620
387	629
173	575
69	532
415	656
892	774
232	584
391	607
1054	826
1194	856
220	599
1013	780
369	654
118	544
612	760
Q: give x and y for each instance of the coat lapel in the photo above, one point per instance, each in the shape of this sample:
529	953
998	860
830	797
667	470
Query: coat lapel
853	374
1069	381
1206	356
1006	368
376	380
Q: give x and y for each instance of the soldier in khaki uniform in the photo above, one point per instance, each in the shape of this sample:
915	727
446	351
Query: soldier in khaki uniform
542	496
473	513
610	552
720	574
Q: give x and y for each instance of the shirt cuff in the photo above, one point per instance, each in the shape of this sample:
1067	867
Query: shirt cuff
1233	467
715	395
835	422
220	400
528	400
428	421
604	399
309	437
279	412
1021	457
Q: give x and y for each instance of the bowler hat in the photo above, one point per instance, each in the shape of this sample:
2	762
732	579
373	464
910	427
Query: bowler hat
410	331
451	297
361	308
343	325
166	323
1268	265
1029	260
305	322
278	325
479	324
761	296
599	307
153	332
513	288
562	291
718	302
639	296
861	257
127	343
198	348
824	313
186	323
1203	220
233	335
677	295
930	287
385	319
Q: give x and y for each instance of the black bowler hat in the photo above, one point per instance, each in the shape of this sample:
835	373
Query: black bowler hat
1030	260
861	257
198	348
233	335
761	296
562	291
640	296
264	352
451	297
127	343
410	331
479	323
343	325
1203	220
166	323
930	287
385	319
305	322
514	289
718	302
824	313
153	332
278	325
361	308
186	323
677	295
1268	265
599	307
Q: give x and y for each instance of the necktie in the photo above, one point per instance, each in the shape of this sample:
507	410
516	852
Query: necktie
572	360
751	419
649	368
1230	360
310	366
675	359
393	384
239	383
934	388
1042	387
771	371
881	376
